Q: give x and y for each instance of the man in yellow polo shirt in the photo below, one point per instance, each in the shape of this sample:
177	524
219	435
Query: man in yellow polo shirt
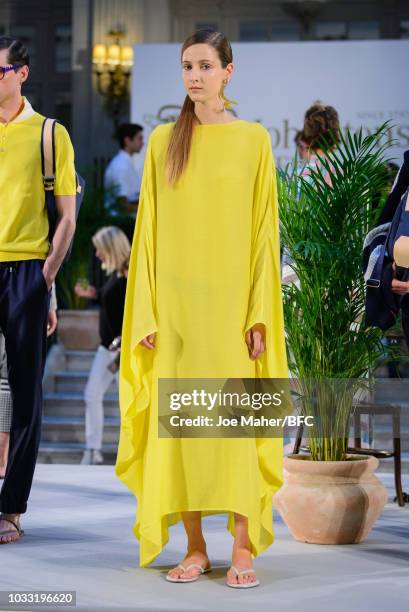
28	267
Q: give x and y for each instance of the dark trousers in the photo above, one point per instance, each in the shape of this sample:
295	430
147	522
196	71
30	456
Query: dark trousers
405	317
24	303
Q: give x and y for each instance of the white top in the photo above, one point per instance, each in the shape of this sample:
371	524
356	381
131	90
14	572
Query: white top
121	179
26	113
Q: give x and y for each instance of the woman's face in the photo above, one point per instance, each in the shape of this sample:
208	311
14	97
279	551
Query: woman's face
303	150
203	73
100	254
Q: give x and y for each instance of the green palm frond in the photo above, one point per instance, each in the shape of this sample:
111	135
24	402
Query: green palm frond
323	229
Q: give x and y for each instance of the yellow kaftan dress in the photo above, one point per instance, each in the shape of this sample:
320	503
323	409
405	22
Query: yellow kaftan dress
204	268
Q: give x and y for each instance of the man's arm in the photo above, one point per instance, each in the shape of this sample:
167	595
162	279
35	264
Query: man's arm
64	232
127	195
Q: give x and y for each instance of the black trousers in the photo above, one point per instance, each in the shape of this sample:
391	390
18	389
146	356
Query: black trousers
405	317
24	303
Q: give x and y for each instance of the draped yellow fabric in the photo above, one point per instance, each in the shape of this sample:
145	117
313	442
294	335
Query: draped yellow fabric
204	268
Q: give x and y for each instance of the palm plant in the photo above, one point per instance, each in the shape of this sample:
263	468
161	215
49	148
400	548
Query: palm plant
331	352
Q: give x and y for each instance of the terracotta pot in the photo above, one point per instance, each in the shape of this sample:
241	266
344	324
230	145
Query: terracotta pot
79	329
330	502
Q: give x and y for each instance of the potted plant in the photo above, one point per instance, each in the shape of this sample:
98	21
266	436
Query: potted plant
330	496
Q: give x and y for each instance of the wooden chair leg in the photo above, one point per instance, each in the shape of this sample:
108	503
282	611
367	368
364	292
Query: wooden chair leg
298	439
397	460
357	429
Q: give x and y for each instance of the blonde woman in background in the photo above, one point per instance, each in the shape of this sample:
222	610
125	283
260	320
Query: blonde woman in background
113	249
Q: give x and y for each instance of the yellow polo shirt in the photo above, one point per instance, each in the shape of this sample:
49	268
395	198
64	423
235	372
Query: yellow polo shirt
23	215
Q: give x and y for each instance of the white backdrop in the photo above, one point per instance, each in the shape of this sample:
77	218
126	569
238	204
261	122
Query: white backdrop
274	83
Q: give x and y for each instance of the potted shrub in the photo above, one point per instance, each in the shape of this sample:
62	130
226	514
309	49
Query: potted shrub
330	496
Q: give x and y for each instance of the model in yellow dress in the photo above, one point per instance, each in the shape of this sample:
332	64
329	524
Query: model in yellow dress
203	300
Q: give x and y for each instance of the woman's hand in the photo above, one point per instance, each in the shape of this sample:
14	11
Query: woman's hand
255	340
400	287
52	322
90	292
149	341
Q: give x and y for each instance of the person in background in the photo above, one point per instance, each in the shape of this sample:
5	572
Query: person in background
400	184
6	401
302	147
113	250
6	409
399	188
321	122
121	179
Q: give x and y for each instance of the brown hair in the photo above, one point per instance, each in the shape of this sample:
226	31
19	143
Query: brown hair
181	138
321	123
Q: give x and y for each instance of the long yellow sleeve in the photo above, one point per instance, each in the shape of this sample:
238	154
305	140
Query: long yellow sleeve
139	321
265	303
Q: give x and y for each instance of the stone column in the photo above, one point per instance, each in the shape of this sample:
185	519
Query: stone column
158	21
5	17
82	111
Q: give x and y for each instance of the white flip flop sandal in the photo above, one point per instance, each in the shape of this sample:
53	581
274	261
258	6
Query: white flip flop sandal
244	585
186	569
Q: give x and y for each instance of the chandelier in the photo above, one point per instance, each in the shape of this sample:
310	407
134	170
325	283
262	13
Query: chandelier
112	65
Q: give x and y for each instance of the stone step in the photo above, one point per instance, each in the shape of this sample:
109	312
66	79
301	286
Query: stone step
72	404
79	360
57	429
75	380
72	453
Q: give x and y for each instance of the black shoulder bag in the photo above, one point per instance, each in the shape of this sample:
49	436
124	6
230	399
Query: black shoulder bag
48	172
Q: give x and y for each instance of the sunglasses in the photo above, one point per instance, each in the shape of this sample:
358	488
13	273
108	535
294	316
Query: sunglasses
4	69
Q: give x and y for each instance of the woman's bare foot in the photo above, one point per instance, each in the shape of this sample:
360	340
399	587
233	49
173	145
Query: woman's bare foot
193	556
241	559
8	532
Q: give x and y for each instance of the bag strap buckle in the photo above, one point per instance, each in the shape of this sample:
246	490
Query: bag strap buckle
374	283
48	182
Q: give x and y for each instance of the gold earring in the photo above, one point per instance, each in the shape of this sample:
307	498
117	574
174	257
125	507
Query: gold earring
226	102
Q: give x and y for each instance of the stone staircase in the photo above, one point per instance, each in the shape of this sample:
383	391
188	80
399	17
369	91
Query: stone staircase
63	430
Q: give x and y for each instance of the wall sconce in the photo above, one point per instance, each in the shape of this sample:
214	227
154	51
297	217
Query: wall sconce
112	65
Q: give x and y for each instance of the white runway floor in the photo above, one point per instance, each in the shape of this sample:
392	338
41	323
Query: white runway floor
79	537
